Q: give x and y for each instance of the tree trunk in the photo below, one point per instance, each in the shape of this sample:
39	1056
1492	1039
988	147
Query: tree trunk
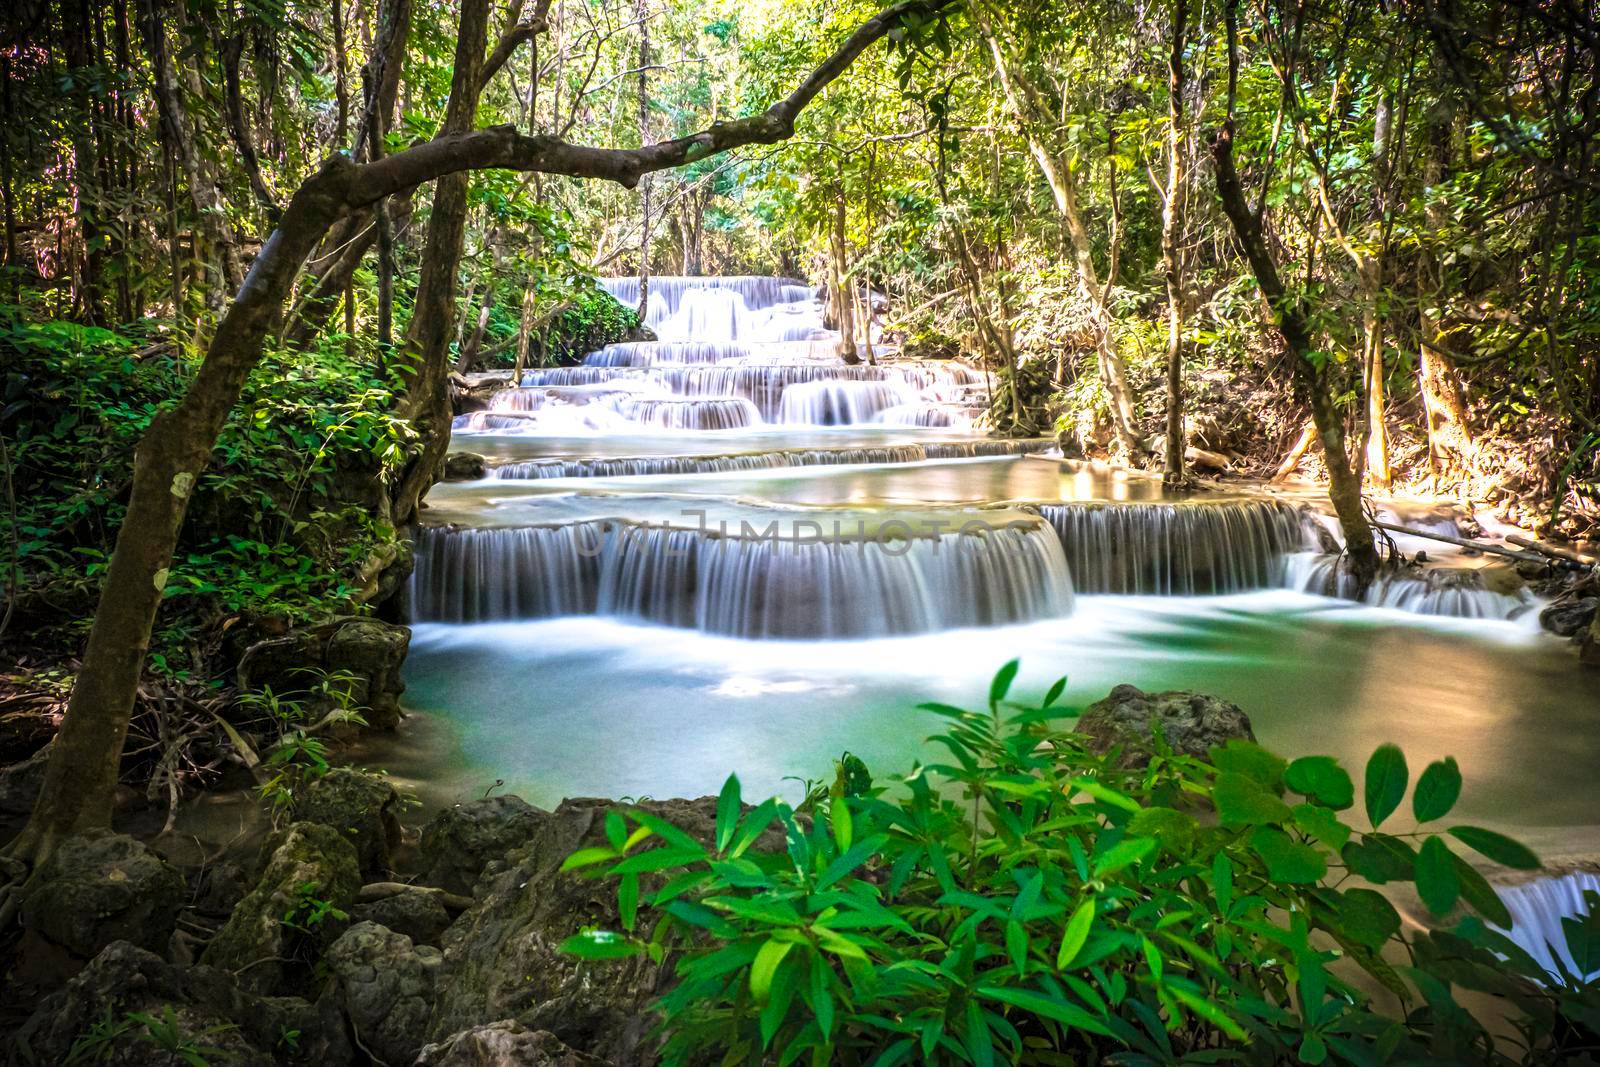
76	24
81	777
1293	324
1021	97
1171	253
211	212
427	348
642	13
844	307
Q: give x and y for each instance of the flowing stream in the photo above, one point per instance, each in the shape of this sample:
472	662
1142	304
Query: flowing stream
728	551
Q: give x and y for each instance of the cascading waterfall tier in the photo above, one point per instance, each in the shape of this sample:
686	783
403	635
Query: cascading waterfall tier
1182	549
627	466
1537	909
754	587
824	394
1445	591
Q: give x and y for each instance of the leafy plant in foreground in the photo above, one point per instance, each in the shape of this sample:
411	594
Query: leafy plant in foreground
1032	901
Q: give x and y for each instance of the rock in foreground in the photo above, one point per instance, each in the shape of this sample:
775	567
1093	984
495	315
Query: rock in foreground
1190	722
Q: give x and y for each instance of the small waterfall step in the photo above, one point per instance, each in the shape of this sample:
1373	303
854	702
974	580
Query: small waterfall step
759	586
1188	548
630	466
1444	591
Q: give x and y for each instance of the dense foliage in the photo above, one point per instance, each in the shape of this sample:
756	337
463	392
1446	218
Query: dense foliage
283	520
1032	901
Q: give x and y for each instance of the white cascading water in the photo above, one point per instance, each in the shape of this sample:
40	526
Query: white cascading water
728	339
628	466
741	586
737	354
1183	549
1537	909
1448	591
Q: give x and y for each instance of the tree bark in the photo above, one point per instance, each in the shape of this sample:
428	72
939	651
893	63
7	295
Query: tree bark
844	305
426	354
642	14
1171	253
1291	318
1022	98
211	212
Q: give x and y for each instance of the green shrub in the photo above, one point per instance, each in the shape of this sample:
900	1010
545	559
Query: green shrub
280	520
1030	901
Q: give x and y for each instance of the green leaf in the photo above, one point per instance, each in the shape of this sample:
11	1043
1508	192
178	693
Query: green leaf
1386	783
839	820
1173	828
728	806
1123	854
1002	682
1287	860
1323	780
1321	824
1367	917
1252	761
1380	859
1503	850
628	900
1437	883
586	857
1046	1007
601	945
765	966
1437	790
1241	801
1076	933
1476	891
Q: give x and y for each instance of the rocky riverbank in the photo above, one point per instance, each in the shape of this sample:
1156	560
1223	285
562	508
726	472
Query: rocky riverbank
342	937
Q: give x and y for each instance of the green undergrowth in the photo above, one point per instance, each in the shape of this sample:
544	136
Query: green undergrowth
279	525
1031	901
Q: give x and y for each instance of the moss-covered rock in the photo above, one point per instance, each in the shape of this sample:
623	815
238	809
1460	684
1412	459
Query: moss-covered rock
385	985
368	652
503	958
413	911
1191	723
361	806
459	842
99	887
506	1043
92	1019
309	880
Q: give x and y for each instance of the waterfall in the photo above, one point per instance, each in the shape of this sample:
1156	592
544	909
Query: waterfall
841	403
751	461
1177	549
744	586
924	415
733	308
693	413
1454	592
1537	909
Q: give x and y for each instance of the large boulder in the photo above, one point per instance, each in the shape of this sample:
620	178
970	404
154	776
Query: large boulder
1191	723
503	958
1569	618
370	653
299	905
385	985
459	842
416	912
361	806
92	1019
99	887
506	1043
463	467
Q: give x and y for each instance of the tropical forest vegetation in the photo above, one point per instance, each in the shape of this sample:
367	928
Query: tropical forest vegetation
509	507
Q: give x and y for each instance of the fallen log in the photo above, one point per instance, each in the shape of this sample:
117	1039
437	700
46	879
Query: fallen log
1482	546
1555	551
